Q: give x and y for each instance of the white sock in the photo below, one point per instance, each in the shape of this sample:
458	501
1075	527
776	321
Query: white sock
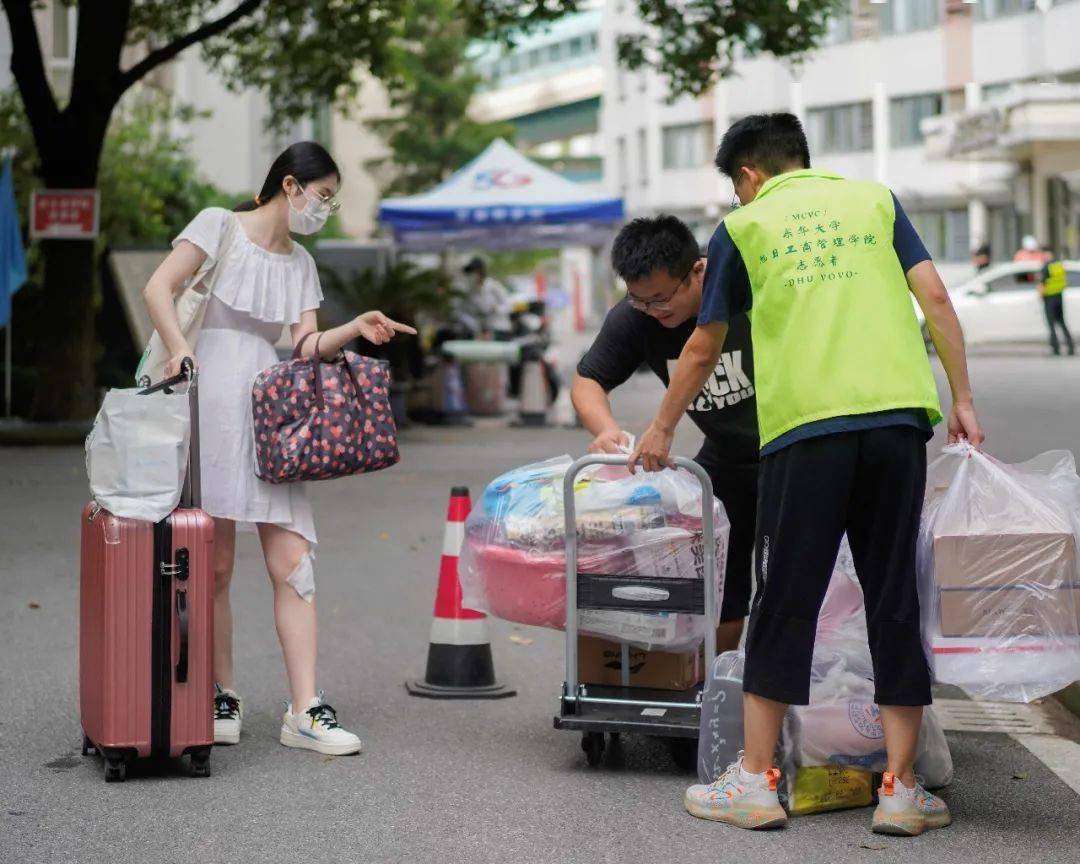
747	777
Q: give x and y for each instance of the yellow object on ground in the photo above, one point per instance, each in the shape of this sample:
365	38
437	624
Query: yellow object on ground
820	788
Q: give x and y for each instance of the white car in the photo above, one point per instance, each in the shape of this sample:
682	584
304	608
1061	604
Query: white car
1001	304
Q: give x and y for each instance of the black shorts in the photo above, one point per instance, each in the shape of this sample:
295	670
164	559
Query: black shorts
736	486
870	484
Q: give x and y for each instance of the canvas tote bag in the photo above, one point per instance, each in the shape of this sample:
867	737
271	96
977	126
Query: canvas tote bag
190	309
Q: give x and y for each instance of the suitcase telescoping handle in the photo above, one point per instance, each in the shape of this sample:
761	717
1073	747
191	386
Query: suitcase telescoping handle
191	495
708	540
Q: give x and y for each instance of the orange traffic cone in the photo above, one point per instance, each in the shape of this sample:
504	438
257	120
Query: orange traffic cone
459	664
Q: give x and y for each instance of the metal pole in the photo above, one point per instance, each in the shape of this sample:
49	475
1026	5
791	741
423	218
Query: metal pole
7	364
708	532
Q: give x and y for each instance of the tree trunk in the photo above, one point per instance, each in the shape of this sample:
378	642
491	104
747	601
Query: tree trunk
67	352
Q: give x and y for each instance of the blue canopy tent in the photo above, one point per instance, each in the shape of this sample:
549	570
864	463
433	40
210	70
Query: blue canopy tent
501	200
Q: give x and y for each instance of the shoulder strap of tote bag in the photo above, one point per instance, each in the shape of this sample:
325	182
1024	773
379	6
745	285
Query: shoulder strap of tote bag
190	306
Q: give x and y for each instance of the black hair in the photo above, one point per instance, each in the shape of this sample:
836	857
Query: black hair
648	244
475	265
771	143
304	160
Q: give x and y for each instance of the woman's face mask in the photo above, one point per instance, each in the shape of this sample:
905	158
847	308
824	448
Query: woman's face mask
314	215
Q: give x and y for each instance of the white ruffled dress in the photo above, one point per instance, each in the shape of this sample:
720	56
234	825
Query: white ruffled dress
255	294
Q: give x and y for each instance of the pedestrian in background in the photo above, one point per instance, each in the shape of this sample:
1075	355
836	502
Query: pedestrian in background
263	281
845	402
1054	279
489	301
980	256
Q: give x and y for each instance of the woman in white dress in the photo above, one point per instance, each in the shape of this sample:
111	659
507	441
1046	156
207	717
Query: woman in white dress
261	281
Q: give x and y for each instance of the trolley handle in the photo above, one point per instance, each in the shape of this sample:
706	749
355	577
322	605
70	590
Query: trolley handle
708	539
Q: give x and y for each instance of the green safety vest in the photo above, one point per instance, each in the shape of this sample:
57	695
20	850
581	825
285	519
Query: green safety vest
832	324
1057	280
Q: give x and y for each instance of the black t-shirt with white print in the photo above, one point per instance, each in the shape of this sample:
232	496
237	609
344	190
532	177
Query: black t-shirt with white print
725	409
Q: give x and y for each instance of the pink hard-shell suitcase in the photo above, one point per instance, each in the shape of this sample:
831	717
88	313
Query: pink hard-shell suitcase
146	630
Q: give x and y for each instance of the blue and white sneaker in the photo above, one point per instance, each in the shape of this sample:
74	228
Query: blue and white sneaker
228	714
316	728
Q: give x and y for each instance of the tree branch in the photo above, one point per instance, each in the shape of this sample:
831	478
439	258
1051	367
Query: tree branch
28	69
167	52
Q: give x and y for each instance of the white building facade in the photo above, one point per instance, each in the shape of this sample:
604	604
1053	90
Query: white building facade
863	99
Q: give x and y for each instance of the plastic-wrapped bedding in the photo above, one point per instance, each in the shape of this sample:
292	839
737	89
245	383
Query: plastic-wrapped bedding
999	582
513	563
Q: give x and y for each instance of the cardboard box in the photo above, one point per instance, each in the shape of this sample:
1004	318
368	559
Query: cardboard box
600	662
1010	611
1044	560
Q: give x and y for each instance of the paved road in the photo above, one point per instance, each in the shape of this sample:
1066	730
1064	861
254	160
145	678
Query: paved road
438	782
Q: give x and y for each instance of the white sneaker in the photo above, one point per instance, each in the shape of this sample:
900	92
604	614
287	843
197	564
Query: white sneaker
228	712
316	728
908	811
743	800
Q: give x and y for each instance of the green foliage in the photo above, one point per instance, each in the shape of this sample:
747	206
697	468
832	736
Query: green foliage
430	85
149	184
694	43
403	291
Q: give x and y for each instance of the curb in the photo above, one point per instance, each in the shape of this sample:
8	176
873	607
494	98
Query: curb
1070	698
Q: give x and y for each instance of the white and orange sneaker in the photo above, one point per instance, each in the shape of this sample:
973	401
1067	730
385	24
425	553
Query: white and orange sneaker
906	811
738	798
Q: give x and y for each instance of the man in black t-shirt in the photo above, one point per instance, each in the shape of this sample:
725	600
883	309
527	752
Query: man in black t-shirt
661	263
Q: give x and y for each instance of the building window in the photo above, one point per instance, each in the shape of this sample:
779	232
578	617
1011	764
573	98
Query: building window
1003	231
577	46
643	156
687	145
945	233
839	28
990	92
905	114
907	16
63	30
621	165
987	9
841	128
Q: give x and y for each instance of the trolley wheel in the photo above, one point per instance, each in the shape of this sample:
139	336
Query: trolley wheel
683	752
88	748
115	770
593	745
200	764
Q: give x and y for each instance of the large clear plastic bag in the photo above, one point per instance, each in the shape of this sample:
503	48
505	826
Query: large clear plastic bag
841	727
513	562
999	583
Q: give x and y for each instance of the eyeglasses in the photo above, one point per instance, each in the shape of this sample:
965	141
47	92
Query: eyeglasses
331	203
662	304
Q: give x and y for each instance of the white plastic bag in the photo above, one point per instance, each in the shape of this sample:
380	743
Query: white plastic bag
999	582
513	563
137	451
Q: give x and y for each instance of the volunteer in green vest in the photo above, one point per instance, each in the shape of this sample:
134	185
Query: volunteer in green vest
1052	288
846	400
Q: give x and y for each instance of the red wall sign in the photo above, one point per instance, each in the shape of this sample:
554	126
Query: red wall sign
69	214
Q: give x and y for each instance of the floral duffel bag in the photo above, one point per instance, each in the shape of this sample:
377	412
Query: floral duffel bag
318	419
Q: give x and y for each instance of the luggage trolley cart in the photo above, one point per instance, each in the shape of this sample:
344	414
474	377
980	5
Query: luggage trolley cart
595	709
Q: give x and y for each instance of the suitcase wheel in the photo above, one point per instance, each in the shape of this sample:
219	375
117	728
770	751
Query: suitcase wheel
593	745
115	770
88	748
683	752
200	764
